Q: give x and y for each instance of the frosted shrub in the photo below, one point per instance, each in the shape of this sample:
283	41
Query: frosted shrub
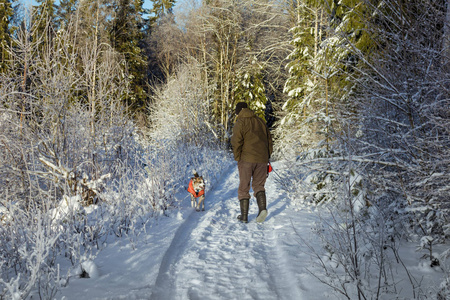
60	146
28	254
182	135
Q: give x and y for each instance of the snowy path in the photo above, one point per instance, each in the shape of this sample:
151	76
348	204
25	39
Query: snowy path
210	255
213	256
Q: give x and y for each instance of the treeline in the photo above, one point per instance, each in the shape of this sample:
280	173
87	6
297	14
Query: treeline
123	26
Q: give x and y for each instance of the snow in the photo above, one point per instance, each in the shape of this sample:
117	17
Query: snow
210	255
66	206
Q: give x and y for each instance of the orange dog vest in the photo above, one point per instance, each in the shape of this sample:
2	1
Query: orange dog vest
193	192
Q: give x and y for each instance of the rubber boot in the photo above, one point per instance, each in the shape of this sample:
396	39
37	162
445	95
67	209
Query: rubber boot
261	200
243	217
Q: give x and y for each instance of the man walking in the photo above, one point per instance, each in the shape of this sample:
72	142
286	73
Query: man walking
252	146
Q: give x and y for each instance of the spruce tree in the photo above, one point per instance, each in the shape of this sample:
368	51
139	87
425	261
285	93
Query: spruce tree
126	37
6	13
65	10
249	88
302	86
45	17
326	36
160	8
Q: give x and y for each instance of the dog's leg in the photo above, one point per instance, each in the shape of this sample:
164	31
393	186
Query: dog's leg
201	203
197	204
194	202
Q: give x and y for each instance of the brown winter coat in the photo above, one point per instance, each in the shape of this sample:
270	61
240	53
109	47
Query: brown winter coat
251	140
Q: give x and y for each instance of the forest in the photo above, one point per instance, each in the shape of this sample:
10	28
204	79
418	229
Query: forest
113	104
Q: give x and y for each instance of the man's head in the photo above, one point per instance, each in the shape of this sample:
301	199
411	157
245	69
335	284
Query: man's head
239	107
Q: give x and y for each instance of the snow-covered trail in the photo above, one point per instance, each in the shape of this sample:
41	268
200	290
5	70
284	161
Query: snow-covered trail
213	256
210	254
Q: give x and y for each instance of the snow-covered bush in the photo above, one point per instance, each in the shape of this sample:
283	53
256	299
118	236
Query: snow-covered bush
63	142
28	253
403	120
180	112
182	131
359	235
392	130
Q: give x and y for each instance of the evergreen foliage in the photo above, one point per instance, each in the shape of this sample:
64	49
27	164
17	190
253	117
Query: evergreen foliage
249	88
321	68
160	8
6	13
126	37
65	12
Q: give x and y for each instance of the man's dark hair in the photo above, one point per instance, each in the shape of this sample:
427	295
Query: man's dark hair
240	106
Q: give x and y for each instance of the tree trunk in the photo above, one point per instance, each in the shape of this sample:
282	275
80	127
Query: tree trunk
446	43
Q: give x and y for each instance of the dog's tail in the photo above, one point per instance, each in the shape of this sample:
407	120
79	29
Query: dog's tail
195	173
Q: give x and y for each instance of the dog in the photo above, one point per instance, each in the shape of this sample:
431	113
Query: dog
197	190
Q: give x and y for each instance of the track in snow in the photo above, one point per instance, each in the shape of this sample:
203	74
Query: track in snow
213	256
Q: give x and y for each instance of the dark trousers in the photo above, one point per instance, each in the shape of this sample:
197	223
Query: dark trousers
256	173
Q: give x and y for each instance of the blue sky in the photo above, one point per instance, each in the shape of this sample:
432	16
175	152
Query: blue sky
179	4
